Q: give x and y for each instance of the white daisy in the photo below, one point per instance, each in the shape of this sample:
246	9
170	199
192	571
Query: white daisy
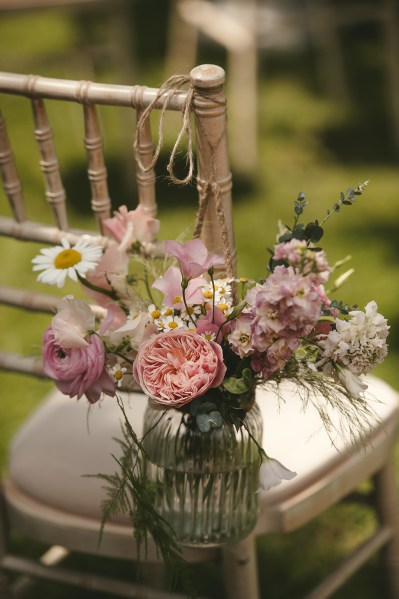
62	261
117	371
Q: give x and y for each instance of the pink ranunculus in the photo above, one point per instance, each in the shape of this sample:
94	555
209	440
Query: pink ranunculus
78	371
174	368
128	226
193	257
170	285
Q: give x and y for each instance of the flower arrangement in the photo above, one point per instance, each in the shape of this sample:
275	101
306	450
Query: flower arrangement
201	343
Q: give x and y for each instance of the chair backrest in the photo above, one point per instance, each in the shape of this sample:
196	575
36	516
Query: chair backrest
204	97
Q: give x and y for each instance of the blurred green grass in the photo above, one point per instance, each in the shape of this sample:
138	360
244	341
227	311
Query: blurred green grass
307	142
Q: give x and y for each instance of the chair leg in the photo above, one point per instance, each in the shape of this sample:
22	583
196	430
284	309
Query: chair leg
388	512
240	569
5	591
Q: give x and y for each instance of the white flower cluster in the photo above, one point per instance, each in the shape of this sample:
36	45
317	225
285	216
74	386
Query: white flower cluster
359	343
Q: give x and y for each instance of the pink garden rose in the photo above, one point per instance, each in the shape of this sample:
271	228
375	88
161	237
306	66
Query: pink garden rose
78	371
128	226
193	257
173	368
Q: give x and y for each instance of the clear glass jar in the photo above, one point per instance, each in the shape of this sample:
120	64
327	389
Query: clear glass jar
206	483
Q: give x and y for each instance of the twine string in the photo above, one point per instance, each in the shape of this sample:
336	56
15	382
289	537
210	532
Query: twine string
168	88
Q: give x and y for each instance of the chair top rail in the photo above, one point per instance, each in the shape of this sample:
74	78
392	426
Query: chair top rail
88	92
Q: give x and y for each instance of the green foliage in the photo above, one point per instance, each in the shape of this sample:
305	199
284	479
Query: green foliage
129	492
239	385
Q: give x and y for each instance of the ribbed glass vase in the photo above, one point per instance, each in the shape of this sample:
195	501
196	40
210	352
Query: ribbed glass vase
206	483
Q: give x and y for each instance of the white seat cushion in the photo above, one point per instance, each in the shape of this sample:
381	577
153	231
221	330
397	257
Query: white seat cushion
298	438
64	439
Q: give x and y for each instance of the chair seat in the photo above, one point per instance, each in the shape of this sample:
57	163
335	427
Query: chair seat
64	439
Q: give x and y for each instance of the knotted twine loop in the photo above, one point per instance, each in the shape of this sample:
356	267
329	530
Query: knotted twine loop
168	89
205	188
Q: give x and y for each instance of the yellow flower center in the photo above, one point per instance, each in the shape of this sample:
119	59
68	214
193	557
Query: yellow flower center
67	258
118	374
223	307
208	294
155	314
172	325
208	336
178	300
168	312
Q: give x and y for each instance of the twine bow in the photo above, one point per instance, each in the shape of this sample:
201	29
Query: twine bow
207	188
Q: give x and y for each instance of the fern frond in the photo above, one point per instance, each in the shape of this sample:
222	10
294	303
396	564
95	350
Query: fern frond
129	492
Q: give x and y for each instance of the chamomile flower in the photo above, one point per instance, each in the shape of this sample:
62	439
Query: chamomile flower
209	335
117	372
170	323
62	261
191	312
153	312
221	291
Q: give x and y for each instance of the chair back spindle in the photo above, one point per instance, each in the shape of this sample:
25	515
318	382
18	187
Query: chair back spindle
205	99
11	183
96	171
55	192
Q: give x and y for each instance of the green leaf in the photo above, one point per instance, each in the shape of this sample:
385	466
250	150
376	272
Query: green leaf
314	232
207	407
239	386
287	236
206	422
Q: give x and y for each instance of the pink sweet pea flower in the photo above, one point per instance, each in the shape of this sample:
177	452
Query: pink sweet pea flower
170	284
193	257
128	226
72	322
110	273
78	371
211	323
174	368
137	329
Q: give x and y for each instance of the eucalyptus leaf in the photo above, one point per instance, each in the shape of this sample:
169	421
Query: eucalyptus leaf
206	422
314	232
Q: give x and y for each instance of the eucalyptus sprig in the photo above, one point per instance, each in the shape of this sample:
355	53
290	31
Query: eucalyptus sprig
313	231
